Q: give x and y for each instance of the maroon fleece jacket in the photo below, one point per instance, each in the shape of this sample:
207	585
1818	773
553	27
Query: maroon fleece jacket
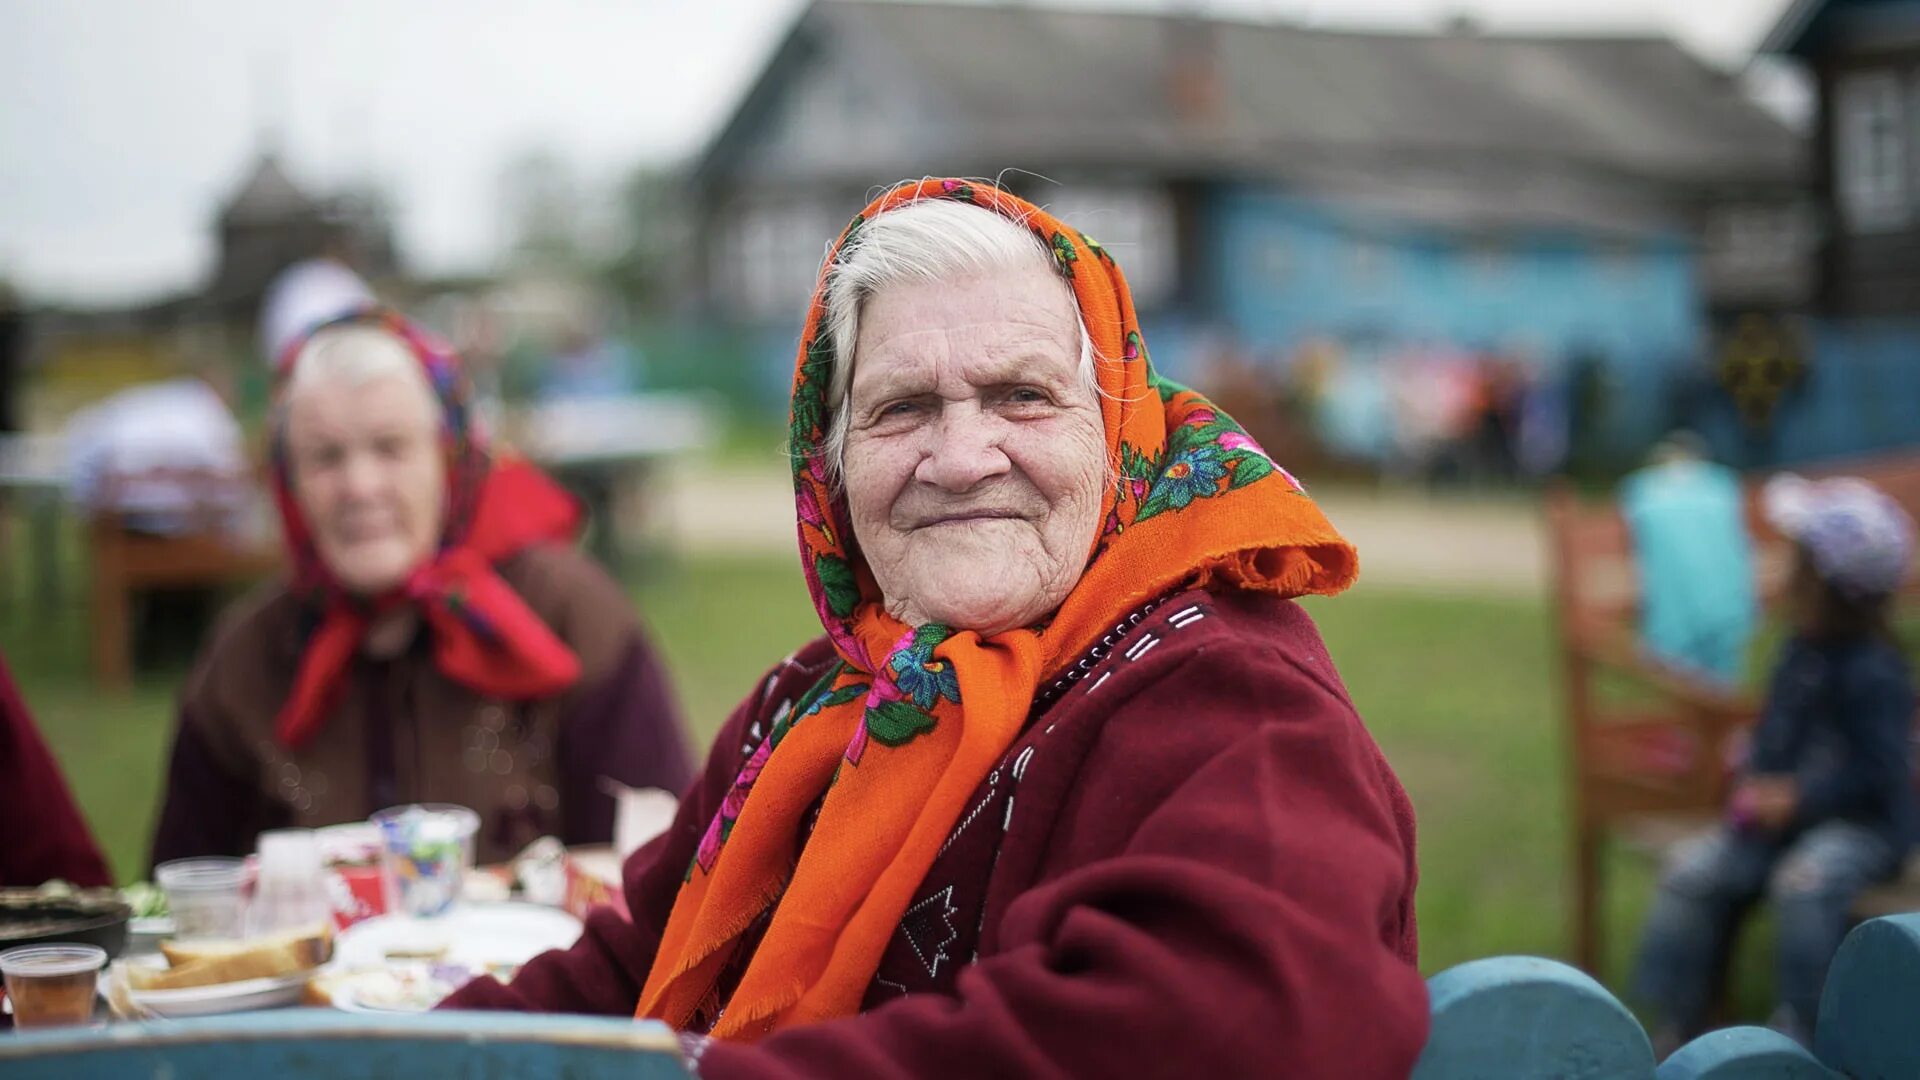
1194	862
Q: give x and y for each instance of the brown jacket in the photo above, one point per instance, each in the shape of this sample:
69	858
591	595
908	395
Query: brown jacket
403	732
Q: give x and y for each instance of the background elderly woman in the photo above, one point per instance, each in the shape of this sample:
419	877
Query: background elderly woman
1068	788
440	639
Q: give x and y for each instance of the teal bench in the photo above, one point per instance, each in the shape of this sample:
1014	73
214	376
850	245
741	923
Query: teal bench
1508	1018
1521	1018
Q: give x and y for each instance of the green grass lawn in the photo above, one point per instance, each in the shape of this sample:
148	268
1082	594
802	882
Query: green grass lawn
1460	693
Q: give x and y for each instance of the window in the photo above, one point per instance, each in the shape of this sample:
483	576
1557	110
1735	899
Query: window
1755	239
1870	152
1135	225
776	251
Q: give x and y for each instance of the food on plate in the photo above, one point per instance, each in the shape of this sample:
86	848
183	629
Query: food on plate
397	986
206	963
146	899
58	913
423	951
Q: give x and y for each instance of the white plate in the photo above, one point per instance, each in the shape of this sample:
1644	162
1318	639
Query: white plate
472	938
145	935
379	990
212	1000
477	935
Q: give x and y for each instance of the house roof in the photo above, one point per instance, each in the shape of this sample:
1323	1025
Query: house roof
1054	87
1808	27
268	194
1788	29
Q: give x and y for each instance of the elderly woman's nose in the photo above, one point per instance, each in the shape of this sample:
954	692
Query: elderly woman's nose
361	476
964	449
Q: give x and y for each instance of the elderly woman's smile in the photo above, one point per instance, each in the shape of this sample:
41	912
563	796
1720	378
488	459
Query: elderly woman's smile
974	460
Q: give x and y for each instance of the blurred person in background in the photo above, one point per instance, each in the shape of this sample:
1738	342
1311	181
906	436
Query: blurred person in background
42	835
13	359
590	363
440	639
1824	805
1698	603
164	458
1070	785
305	295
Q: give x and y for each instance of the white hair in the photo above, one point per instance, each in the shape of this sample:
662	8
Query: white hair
354	355
929	240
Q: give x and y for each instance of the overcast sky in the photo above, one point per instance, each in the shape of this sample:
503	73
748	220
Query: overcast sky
124	122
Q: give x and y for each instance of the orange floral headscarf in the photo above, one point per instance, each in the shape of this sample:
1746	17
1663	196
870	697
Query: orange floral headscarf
912	719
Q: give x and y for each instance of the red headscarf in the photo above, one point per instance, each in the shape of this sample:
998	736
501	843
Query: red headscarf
484	635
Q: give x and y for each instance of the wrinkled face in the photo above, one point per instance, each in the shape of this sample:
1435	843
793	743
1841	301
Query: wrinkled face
975	458
369	474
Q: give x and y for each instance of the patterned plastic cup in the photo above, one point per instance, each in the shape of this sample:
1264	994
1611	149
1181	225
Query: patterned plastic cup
427	849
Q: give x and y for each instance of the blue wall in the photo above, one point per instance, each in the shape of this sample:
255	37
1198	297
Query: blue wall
1283	269
1861	396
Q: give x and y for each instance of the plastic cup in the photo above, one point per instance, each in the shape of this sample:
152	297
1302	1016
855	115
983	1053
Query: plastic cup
426	851
207	896
52	985
290	889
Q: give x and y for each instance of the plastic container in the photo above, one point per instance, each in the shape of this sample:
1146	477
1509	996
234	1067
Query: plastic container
427	849
355	878
290	890
52	985
207	896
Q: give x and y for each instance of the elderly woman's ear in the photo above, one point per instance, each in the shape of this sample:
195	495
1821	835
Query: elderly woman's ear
364	453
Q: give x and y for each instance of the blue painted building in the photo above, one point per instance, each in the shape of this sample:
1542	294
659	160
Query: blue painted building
1288	266
1608	201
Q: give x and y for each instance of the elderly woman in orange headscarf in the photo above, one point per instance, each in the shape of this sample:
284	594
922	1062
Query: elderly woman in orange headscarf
439	639
1069	786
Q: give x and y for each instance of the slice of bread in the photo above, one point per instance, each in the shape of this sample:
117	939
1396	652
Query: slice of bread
311	944
206	963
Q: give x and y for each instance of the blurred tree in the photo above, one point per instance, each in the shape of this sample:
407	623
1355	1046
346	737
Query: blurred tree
13	358
541	211
652	268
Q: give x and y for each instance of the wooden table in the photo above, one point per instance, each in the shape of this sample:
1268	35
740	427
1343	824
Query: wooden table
33	477
598	447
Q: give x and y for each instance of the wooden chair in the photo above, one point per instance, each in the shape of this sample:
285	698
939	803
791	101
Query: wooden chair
124	560
1647	747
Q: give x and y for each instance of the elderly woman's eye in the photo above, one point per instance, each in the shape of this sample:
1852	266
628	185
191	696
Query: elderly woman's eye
320	457
1027	395
899	409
